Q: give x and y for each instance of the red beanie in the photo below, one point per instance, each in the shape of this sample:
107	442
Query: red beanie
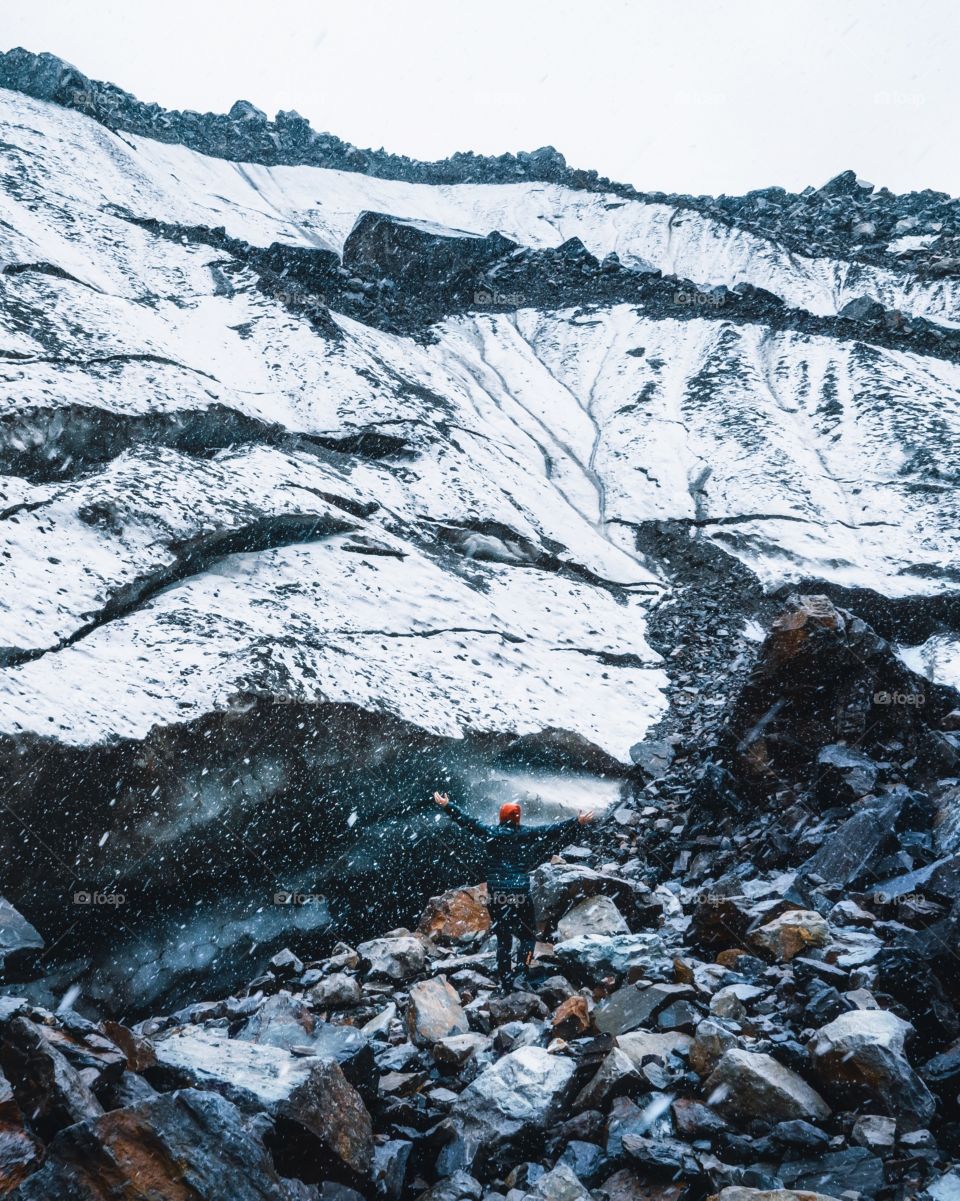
510	814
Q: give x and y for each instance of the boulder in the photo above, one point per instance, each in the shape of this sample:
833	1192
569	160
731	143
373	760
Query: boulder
875	1132
590	956
593	915
856	844
572	1018
434	1011
255	1075
850	1172
137	1051
420	254
792	933
286	1022
338	991
653	757
47	1088
863	1052
389	1169
751	1084
183	1144
515	1007
640	1046
454	1051
513	1100
844	774
19	942
398	958
616	1075
20	1153
323	1129
458	915
863	309
711	1041
737	1192
636	1005
461	1186
559	1184
555	887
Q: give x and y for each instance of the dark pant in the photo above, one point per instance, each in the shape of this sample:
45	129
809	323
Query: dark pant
511	913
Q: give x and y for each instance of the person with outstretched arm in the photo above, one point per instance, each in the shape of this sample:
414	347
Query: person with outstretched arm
512	851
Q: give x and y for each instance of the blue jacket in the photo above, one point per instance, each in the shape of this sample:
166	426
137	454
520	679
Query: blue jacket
512	851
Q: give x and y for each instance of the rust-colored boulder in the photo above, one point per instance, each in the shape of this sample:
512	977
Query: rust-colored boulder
572	1019
434	1011
137	1050
457	915
46	1086
182	1145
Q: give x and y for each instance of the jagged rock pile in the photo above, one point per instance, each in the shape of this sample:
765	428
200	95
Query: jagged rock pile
711	1027
869	223
405	276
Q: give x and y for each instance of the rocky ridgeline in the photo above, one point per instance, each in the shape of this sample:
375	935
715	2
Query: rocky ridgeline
844	218
405	277
849	218
747	987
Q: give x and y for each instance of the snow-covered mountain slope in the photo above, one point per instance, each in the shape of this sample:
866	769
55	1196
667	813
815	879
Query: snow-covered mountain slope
71	164
539	439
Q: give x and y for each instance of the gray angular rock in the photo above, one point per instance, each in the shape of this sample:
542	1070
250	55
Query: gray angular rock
398	958
792	933
751	1084
48	1089
874	1131
337	991
864	1049
323	1128
640	1046
454	1051
616	1075
593	915
559	1184
590	956
555	887
514	1099
19	941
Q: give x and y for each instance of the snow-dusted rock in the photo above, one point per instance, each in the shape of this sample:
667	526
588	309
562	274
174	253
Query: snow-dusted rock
595	915
396	957
513	1099
592	955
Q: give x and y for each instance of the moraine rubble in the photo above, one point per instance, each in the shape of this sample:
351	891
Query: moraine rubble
747	988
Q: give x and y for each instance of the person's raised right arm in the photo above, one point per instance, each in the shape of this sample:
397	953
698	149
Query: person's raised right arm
462	819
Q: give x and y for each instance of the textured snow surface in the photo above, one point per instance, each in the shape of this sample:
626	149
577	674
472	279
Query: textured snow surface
938	659
85	164
485	579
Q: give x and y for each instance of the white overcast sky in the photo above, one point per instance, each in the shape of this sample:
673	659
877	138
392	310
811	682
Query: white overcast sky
674	95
